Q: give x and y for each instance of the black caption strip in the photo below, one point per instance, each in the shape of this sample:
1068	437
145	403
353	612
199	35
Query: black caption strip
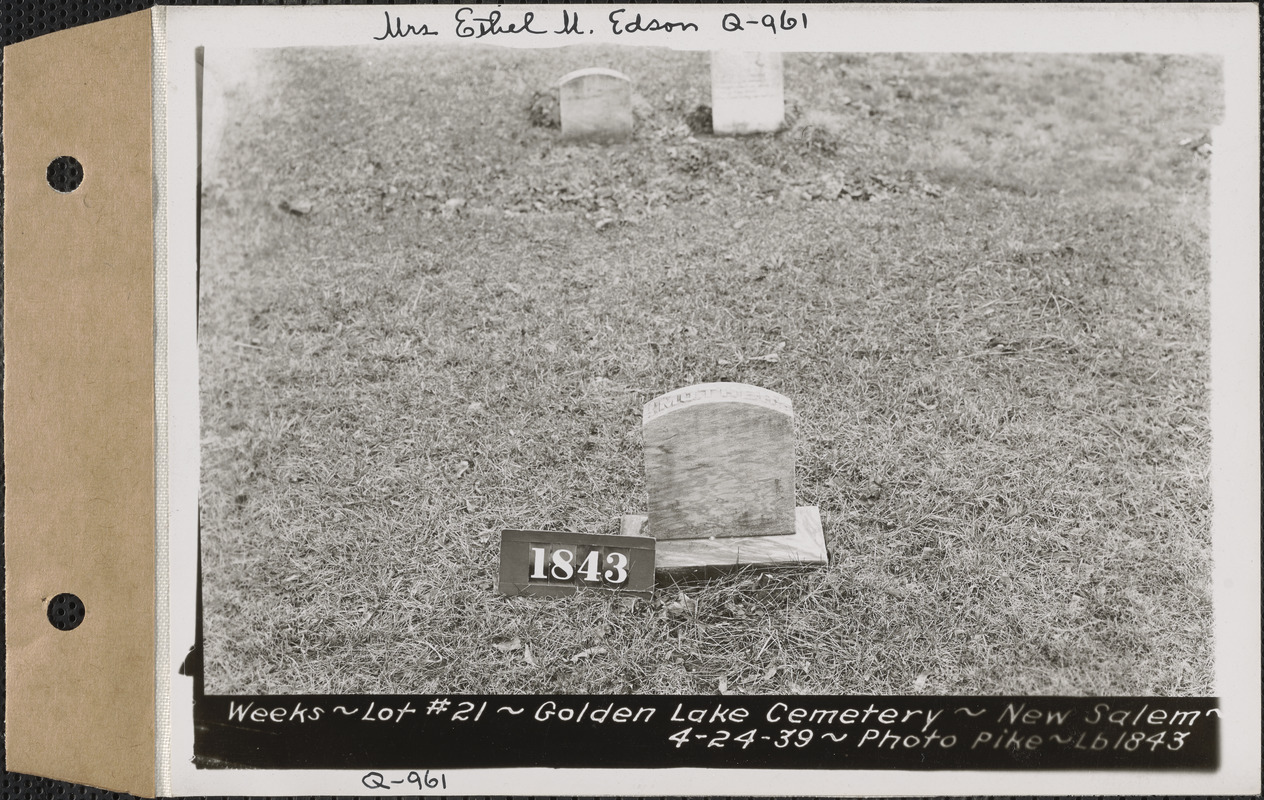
767	732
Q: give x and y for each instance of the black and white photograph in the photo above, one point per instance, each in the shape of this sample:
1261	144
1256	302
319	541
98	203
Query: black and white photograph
659	400
952	309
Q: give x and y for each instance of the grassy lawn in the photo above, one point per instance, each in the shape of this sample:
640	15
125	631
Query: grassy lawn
424	319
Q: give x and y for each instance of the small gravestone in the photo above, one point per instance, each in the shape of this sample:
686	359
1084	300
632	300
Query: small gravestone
719	465
719	461
596	105
747	92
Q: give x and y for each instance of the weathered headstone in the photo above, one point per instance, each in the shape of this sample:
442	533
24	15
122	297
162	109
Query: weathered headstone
719	465
747	92
719	460
596	105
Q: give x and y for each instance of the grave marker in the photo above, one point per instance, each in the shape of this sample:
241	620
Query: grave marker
596	105
719	464
747	92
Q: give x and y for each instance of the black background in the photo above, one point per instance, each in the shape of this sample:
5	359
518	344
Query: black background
496	731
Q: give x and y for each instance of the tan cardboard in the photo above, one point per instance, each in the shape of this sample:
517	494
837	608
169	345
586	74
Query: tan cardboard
79	405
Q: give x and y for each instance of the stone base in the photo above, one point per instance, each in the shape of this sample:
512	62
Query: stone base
685	558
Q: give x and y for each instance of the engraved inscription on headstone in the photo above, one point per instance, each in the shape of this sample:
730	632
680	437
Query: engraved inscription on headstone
747	92
719	462
596	105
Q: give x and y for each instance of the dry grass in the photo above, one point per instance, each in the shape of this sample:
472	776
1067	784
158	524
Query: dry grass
987	281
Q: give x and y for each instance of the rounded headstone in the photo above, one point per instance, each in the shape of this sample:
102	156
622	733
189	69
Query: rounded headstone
719	462
596	105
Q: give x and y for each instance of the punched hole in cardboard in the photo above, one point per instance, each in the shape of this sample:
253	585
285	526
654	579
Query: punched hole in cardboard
65	173
65	612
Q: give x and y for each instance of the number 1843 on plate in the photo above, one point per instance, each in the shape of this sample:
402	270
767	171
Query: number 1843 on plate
559	562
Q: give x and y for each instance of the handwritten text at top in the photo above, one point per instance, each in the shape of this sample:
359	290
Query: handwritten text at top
478	23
